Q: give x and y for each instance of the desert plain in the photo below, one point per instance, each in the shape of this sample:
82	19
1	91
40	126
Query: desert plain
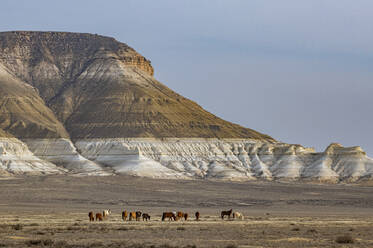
52	211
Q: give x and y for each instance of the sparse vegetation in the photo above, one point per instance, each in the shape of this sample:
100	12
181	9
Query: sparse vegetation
39	242
344	239
231	246
17	227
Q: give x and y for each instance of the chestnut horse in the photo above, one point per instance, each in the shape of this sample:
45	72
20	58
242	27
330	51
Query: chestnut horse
185	216
132	216
168	215
124	215
91	216
197	216
179	215
224	213
99	217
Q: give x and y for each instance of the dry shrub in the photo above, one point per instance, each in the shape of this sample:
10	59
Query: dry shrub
231	246
295	229
123	228
344	239
60	244
39	242
312	231
17	227
181	228
34	224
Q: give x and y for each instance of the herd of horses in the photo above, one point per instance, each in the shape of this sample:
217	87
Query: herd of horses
175	216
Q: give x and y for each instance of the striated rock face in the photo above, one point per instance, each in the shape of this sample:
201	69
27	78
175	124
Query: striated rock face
96	87
229	159
16	158
86	104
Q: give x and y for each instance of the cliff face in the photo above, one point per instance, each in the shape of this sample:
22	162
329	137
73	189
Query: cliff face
97	87
88	104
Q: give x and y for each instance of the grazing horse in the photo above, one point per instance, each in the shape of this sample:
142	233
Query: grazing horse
224	213
124	215
138	215
132	216
169	215
185	216
238	215
145	217
179	215
106	213
99	217
197	216
91	216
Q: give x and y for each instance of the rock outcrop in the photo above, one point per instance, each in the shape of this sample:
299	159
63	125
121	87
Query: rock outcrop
87	104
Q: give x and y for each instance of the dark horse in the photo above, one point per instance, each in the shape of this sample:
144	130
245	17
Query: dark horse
224	213
197	216
91	216
145	217
168	215
138	215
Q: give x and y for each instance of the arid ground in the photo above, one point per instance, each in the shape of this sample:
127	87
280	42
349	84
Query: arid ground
52	211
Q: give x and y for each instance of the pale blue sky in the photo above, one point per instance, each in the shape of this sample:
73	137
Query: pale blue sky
300	71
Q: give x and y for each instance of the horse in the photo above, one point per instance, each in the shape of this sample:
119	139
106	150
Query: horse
106	213
238	215
138	215
145	217
124	215
224	213
179	215
197	216
185	216
99	217
132	216
169	215
91	216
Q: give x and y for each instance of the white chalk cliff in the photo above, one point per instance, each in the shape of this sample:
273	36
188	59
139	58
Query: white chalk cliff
229	159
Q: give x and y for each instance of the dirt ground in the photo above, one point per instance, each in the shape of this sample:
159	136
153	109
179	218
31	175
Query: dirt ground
52	211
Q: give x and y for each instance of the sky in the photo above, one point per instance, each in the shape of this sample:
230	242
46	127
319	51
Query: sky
300	71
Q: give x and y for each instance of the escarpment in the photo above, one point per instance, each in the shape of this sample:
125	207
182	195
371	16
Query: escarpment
98	87
87	104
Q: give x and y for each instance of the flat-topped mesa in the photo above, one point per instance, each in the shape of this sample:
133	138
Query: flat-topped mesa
62	55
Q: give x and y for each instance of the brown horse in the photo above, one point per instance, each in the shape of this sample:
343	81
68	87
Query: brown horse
132	216
197	216
185	216
91	216
168	215
224	213
145	217
179	215
124	215
99	217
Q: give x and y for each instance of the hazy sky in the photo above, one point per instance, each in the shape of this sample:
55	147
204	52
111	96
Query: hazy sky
300	71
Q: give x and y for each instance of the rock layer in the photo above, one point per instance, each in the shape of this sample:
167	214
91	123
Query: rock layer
86	104
95	87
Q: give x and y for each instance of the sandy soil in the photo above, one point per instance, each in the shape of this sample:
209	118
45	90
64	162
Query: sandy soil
51	211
